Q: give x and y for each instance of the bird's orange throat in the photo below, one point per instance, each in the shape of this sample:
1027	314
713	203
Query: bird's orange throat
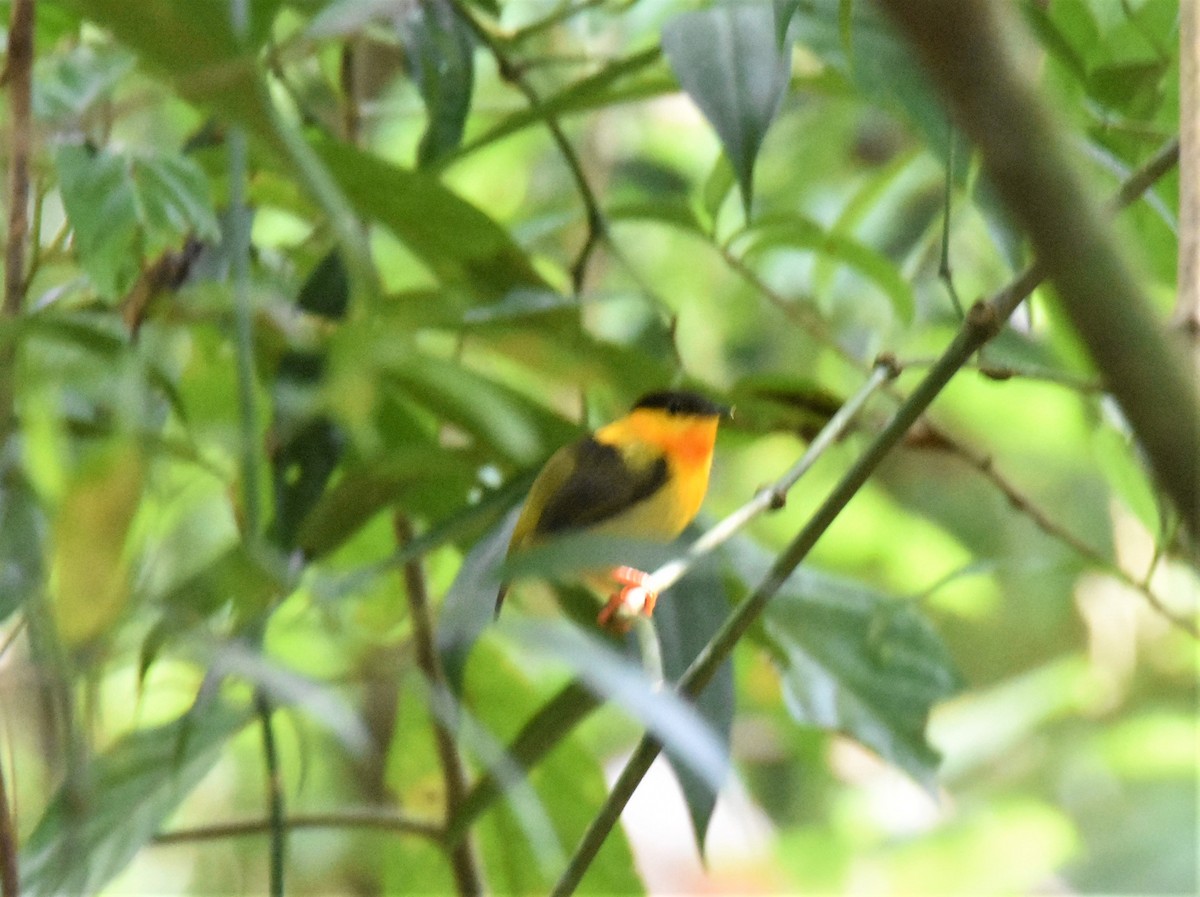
688	443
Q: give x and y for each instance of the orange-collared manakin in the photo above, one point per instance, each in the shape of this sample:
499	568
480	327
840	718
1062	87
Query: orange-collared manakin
642	476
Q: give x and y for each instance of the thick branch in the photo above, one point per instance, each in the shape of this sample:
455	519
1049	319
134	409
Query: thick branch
1022	150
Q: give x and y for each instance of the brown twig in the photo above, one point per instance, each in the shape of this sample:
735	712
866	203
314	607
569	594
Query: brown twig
462	856
597	226
18	75
364	818
985	466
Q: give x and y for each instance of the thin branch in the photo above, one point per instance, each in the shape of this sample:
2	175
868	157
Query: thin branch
18	75
362	818
275	812
1021	503
597	226
462	857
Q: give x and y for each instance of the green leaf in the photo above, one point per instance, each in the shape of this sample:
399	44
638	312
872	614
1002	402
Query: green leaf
107	811
441	54
23	528
192	44
99	198
507	422
882	68
66	86
857	662
470	605
729	62
125	208
302	466
795	231
542	732
783	10
686	617
568	782
606	88
454	239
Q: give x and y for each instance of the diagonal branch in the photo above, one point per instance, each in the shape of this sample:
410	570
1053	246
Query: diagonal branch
961	43
982	323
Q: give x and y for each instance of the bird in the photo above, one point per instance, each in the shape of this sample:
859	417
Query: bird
644	476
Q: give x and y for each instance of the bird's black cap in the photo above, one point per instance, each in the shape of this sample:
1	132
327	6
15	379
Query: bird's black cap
680	401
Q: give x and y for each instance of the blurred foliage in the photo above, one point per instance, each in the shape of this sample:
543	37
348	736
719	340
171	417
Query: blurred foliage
480	227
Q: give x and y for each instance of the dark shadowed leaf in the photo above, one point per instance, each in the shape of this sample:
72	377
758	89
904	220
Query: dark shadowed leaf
860	663
106	812
23	529
730	63
470	605
441	54
686	617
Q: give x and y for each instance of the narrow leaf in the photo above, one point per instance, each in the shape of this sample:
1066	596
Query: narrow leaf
729	61
686	617
441	53
672	721
782	12
457	242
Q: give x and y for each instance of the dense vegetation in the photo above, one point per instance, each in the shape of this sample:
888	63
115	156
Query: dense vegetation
300	293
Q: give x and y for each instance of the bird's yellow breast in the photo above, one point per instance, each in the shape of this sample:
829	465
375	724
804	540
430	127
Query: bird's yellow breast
687	445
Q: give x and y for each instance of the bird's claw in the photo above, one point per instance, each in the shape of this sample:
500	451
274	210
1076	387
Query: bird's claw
633	599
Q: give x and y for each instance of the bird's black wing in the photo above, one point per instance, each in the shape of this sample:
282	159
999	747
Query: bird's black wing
602	484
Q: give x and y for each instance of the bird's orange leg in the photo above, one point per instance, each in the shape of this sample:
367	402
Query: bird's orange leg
633	599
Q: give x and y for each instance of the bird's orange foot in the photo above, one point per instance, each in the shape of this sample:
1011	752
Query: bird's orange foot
633	599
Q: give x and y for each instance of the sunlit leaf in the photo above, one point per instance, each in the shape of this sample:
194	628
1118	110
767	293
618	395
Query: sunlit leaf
106	812
728	60
128	207
796	232
459	243
567	781
89	570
